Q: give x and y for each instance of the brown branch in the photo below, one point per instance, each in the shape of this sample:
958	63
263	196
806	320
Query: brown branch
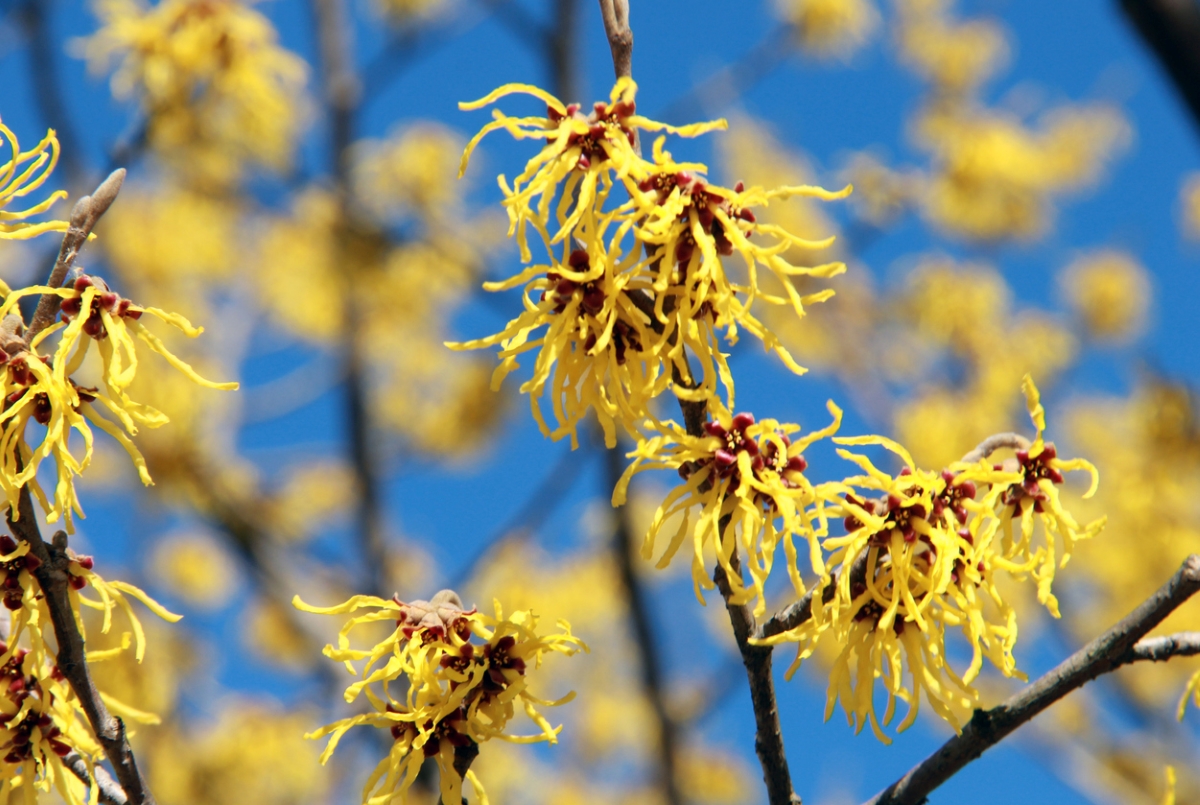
1171	28
1117	647
768	736
639	618
620	36
464	756
342	96
52	577
110	793
799	612
84	215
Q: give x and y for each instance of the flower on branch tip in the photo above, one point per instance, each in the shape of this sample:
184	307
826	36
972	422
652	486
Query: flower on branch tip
21	174
461	673
40	387
747	479
920	557
582	157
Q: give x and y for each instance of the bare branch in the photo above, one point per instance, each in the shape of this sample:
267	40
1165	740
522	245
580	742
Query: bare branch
343	93
1159	649
1171	28
768	736
464	756
110	793
52	577
999	441
639	618
84	215
1118	646
620	36
801	611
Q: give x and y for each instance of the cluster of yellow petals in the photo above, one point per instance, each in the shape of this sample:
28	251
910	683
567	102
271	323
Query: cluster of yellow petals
455	693
920	556
215	84
746	478
39	387
640	276
41	720
20	174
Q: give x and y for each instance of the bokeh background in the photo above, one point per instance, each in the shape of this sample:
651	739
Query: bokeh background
1027	199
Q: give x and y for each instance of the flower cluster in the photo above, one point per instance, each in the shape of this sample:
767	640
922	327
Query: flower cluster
636	279
38	386
463	674
746	477
41	719
921	554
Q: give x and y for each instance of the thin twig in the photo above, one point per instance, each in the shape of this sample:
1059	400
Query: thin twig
109	792
1171	28
43	69
84	215
768	735
615	14
734	79
53	579
999	441
343	92
1117	647
650	665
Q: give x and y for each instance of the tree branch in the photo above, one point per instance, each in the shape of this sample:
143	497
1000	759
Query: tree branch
52	577
1171	28
1117	647
639	618
110	793
620	36
84	215
999	441
342	96
768	736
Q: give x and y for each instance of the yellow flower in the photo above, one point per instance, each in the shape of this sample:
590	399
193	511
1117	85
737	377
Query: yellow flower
1036	496
956	57
599	351
20	175
1191	690
457	693
747	479
40	387
1189	198
688	226
583	155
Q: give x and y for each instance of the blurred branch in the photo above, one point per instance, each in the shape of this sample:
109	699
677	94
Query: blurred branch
525	27
1120	645
342	95
108	791
84	215
1171	28
561	49
733	79
71	659
47	94
650	665
534	512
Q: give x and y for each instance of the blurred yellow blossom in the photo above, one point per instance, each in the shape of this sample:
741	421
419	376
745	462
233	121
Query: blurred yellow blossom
195	567
955	56
413	171
410	11
216	87
1189	197
1110	292
252	752
830	28
992	176
312	495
